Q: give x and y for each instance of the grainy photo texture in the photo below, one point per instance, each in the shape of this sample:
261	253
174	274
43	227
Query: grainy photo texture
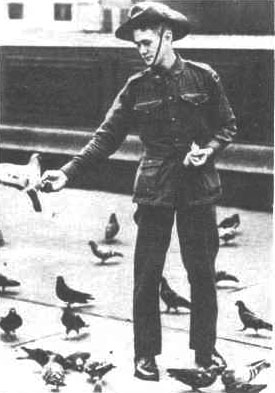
136	180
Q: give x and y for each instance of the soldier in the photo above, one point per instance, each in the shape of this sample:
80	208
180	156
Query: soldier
182	116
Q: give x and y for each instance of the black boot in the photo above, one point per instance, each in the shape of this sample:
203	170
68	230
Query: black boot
146	368
205	360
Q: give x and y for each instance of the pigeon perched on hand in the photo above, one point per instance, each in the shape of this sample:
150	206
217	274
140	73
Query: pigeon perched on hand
11	322
53	373
112	228
222	275
197	377
232	221
243	375
7	282
76	361
69	295
250	319
72	321
41	356
24	177
171	298
103	253
97	370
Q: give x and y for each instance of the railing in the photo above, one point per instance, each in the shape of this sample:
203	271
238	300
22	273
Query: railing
236	157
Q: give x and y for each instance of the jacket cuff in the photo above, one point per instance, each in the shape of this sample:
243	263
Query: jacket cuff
70	170
215	145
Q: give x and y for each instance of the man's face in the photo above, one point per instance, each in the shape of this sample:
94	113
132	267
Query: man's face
147	42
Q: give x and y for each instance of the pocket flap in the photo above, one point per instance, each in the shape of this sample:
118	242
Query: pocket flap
147	106
195	98
151	162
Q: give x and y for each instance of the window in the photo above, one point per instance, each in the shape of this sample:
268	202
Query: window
62	11
15	10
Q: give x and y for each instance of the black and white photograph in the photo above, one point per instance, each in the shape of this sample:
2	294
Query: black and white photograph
136	196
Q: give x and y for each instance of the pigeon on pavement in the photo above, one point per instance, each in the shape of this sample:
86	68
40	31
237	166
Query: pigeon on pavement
97	370
11	322
243	375
69	295
246	388
41	356
250	319
197	377
222	275
227	234
7	282
112	228
232	221
171	298
103	253
24	177
53	373
72	321
76	361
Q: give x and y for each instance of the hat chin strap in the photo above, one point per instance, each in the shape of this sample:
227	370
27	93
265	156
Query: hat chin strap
159	46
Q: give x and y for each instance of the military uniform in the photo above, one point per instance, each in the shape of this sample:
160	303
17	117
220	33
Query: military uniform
170	110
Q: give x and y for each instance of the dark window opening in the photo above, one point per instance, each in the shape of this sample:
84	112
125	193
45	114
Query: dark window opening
15	10
62	11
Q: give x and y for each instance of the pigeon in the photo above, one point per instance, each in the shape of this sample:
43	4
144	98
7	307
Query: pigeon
76	361
96	370
53	373
112	228
196	377
98	387
11	322
68	295
243	375
7	282
230	222
250	319
171	298
72	321
42	356
227	234
24	177
222	275
246	388
103	253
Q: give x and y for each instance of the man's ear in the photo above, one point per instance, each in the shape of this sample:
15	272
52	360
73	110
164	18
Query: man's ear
168	35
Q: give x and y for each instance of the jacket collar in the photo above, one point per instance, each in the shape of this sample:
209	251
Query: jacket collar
175	70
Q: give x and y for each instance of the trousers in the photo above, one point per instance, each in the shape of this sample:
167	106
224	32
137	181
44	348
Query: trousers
199	244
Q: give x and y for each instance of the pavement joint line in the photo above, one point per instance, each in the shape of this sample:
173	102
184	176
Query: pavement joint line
32	340
128	320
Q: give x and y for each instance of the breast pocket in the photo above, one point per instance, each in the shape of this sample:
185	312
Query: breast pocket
195	110
148	111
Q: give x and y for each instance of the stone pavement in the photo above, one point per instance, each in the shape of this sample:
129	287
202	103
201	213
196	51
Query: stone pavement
40	246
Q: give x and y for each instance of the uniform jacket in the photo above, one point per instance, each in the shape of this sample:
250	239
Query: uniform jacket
169	110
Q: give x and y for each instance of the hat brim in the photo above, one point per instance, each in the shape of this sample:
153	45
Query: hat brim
177	22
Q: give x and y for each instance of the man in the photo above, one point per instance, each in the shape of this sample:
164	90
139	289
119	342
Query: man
183	119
